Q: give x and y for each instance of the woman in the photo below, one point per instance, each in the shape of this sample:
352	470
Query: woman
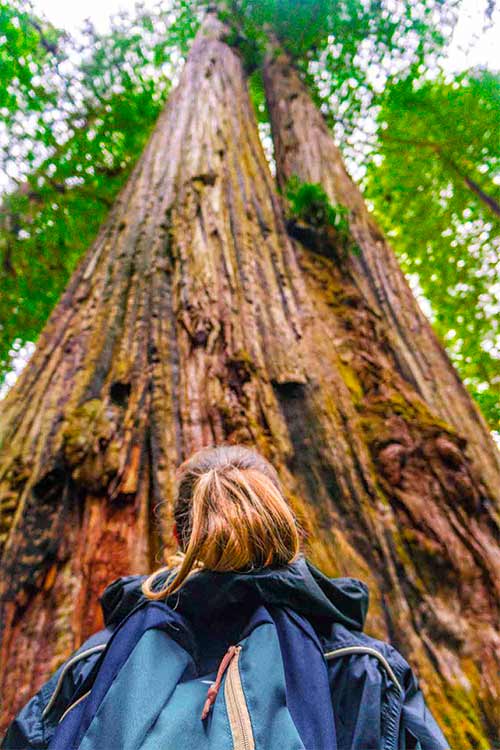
240	580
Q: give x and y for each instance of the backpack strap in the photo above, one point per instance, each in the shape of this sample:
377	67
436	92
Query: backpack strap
68	667
306	677
150	614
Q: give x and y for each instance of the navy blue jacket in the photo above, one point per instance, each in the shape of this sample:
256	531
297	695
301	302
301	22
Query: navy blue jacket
377	702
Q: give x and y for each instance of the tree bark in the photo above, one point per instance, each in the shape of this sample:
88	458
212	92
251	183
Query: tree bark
432	475
195	319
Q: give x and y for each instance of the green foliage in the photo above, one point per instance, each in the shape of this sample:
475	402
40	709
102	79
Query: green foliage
75	129
309	203
258	96
300	25
434	180
26	44
344	49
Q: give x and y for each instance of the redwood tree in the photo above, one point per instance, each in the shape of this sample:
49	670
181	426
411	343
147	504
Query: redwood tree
197	318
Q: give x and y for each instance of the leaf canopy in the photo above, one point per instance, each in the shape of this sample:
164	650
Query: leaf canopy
434	180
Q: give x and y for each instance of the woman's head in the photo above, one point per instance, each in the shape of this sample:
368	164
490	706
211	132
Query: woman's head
230	514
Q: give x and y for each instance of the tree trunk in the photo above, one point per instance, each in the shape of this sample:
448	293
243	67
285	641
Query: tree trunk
195	319
432	475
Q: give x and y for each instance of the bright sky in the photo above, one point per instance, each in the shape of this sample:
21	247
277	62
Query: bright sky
470	45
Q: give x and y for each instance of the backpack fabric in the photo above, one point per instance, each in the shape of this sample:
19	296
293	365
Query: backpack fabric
149	691
303	676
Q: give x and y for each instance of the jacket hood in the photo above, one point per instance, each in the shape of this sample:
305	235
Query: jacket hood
207	594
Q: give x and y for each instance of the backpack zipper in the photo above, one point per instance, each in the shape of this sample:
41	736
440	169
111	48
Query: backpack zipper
72	705
237	709
70	663
347	650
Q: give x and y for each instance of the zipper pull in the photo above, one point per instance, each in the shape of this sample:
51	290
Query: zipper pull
214	689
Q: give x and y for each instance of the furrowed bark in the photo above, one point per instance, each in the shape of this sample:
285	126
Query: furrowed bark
428	466
304	147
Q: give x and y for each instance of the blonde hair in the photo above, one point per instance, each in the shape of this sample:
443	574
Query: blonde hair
231	515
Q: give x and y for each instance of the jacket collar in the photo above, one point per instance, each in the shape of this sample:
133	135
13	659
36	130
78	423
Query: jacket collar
208	594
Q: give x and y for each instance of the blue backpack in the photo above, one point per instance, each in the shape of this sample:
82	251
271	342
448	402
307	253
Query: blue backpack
270	690
275	658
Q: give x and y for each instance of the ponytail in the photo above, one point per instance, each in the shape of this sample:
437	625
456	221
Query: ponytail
236	518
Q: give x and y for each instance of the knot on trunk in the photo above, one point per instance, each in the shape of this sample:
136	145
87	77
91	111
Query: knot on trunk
323	240
239	368
90	444
119	392
455	474
449	452
391	460
202	329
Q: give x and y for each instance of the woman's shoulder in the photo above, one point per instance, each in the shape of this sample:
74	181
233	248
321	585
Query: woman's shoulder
34	725
120	597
